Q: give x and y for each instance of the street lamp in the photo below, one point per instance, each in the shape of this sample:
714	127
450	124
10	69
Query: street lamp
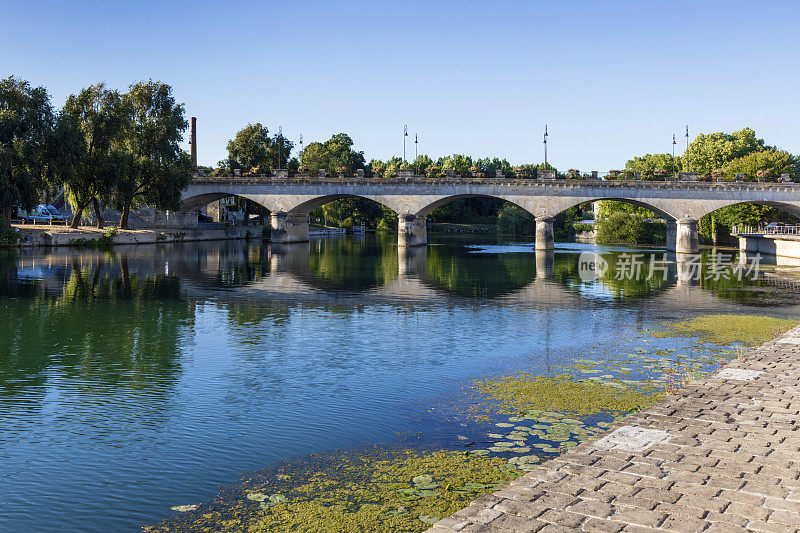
405	134
280	137
545	146
687	149
673	155
416	156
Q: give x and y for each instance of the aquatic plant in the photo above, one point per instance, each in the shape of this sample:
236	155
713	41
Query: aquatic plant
728	329
524	391
400	490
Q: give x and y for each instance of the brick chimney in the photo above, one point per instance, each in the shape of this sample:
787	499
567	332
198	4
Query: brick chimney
193	143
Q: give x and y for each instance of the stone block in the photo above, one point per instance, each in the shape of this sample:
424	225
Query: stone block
631	438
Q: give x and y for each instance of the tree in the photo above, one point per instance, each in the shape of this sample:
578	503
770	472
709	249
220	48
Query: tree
421	163
459	164
336	152
26	122
279	158
648	163
156	169
250	148
94	121
776	161
714	150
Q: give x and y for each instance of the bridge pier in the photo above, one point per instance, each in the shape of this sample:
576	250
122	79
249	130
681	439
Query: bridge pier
687	239
411	230
287	228
544	234
672	235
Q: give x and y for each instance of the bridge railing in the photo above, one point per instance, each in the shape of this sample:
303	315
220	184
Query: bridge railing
765	230
420	179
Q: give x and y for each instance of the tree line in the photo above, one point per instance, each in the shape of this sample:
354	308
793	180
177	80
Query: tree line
104	147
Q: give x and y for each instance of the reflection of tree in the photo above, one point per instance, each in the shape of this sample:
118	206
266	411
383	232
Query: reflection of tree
108	328
621	281
478	274
349	264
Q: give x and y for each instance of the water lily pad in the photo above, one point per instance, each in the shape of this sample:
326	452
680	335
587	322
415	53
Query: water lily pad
257	496
504	425
428	493
425	478
479	453
428	519
278	498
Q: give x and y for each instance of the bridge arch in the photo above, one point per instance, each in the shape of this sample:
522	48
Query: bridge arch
306	206
708	208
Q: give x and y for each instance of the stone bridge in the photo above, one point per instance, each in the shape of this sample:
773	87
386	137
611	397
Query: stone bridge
681	204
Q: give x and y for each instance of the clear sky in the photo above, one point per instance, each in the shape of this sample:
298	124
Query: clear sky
610	79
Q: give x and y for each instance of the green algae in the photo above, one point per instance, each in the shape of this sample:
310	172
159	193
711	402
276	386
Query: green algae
402	490
749	330
523	392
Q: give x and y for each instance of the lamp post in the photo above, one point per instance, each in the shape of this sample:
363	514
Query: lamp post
687	149
280	137
405	134
673	155
416	156
545	146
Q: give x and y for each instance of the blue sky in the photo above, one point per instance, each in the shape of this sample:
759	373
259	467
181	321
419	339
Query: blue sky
611	79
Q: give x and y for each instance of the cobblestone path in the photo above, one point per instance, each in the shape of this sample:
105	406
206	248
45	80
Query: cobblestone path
721	455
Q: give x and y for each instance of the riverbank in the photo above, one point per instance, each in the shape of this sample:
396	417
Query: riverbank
509	424
718	454
39	235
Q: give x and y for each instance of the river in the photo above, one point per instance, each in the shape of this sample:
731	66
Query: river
139	378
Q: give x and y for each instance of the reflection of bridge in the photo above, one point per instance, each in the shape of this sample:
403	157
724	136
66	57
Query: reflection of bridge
285	276
680	203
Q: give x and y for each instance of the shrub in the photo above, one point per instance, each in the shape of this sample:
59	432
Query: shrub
625	228
8	235
515	221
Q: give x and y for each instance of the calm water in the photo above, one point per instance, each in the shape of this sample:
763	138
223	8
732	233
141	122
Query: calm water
145	377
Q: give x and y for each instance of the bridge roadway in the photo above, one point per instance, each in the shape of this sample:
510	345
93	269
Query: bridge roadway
681	204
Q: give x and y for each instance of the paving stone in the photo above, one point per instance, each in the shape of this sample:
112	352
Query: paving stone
596	525
721	454
738	374
632	438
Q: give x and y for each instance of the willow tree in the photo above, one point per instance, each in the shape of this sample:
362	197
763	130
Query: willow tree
96	119
26	119
152	167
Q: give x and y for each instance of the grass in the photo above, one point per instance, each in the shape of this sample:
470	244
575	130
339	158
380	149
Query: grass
728	329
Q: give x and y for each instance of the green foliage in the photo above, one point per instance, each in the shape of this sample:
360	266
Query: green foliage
94	122
514	220
649	163
776	161
334	153
626	228
715	150
155	168
26	124
8	235
107	239
477	210
421	163
609	207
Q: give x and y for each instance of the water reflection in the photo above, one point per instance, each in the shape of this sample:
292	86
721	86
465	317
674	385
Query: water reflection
146	376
